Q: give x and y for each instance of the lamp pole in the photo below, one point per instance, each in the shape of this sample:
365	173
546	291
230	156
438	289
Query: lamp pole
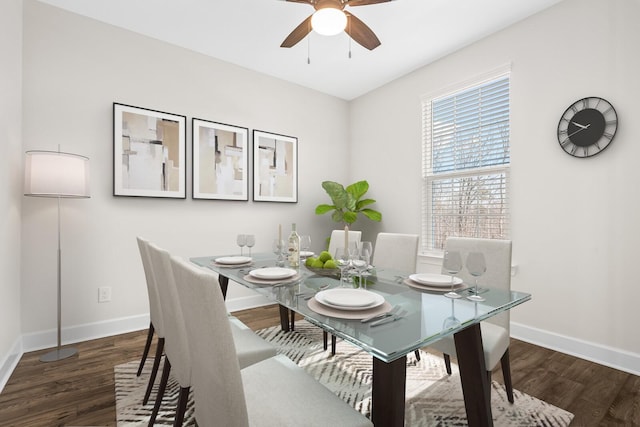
59	353
57	175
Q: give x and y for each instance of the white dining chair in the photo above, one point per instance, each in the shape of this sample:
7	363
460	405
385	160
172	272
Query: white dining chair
496	330
273	392
156	324
396	251
250	347
177	358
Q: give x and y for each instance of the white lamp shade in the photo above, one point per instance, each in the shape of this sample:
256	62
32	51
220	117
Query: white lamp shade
55	174
328	21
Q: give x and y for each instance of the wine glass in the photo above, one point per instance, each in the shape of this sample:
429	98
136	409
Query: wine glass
305	243
363	260
250	242
366	247
343	261
360	262
452	264
451	321
278	248
477	266
241	240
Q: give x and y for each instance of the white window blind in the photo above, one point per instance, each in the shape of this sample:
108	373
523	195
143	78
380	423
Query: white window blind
466	163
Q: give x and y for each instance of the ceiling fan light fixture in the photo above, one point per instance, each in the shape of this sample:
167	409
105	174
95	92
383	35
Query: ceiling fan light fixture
328	21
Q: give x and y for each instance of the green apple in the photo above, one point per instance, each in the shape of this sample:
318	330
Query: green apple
324	256
330	264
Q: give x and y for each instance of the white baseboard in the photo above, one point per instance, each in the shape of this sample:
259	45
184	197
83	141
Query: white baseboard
10	362
90	331
604	355
247	302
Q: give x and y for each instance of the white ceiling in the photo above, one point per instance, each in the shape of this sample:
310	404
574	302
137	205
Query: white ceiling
249	33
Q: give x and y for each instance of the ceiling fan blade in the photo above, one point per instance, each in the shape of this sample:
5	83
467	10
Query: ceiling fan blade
298	33
301	1
362	2
362	34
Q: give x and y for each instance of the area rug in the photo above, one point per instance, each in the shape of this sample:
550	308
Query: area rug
433	397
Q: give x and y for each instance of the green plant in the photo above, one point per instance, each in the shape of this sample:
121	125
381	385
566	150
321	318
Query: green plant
348	202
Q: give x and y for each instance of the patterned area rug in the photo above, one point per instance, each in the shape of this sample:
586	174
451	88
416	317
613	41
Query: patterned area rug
433	397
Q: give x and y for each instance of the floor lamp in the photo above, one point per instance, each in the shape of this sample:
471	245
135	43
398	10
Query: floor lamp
58	175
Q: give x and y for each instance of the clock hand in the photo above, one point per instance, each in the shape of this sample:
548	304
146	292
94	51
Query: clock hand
581	126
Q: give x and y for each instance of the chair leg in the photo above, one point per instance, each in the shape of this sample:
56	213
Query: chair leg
506	373
147	346
447	363
182	406
293	319
161	389
325	339
154	370
417	353
333	345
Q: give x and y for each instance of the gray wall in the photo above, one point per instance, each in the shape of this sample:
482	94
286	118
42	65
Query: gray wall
74	69
574	221
11	188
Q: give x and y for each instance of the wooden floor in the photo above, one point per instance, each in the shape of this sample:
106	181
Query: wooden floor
79	391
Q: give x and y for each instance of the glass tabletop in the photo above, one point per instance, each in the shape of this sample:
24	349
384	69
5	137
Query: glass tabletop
428	313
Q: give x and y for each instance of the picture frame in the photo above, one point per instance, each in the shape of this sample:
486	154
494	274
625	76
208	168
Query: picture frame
220	161
149	153
275	167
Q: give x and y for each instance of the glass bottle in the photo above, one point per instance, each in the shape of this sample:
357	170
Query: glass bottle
294	247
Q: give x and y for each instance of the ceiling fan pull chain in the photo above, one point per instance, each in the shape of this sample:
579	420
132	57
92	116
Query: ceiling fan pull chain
309	45
349	23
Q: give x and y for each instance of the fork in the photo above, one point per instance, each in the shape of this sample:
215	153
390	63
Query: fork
397	316
391	312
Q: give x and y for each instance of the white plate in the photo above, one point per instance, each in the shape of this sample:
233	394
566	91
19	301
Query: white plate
306	254
435	279
272	273
429	288
341	313
349	299
231	260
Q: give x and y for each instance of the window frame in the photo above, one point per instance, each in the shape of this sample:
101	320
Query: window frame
428	238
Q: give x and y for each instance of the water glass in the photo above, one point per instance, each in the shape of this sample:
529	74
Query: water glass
452	264
343	261
278	247
361	264
477	266
241	240
250	242
305	243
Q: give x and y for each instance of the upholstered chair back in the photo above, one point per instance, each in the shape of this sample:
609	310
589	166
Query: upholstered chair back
396	251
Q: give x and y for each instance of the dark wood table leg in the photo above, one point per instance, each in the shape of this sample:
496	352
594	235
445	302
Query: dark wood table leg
388	392
224	284
473	374
284	318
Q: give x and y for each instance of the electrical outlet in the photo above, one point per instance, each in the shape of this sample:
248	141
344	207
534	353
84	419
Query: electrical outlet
104	294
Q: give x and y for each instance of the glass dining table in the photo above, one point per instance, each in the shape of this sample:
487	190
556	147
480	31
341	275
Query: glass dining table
427	318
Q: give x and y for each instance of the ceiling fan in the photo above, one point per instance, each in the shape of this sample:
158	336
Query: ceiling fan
344	21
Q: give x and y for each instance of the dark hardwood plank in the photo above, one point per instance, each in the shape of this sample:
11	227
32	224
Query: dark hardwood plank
80	391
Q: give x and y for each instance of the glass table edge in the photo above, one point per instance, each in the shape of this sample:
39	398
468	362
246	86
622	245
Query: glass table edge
385	357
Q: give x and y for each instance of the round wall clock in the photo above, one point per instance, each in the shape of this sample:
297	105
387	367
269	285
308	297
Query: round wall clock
587	127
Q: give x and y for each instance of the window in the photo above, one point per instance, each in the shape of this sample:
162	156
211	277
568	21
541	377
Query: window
466	161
